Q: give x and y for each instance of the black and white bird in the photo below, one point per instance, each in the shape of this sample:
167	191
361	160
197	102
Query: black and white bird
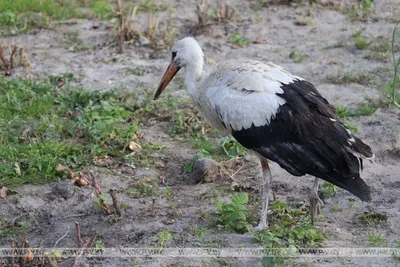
279	116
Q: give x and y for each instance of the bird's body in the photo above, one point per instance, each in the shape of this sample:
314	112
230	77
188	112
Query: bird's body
278	115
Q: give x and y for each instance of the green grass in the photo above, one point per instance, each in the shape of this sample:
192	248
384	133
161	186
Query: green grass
18	16
103	9
349	76
297	58
376	240
338	207
238	40
365	108
44	126
371	218
361	42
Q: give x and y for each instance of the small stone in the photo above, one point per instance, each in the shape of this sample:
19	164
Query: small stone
205	170
143	41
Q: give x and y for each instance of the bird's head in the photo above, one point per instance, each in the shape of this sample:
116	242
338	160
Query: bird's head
185	52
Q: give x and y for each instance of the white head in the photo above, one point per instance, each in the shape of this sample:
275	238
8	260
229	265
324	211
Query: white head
186	53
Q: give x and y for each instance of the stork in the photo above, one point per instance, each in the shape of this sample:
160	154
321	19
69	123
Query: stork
279	116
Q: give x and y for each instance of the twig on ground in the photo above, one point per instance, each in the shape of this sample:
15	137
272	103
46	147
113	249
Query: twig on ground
115	202
12	247
55	245
121	29
78	234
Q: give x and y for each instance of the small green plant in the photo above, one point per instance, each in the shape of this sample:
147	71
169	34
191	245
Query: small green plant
162	238
297	58
371	218
232	216
238	40
328	189
147	186
232	148
366	4
376	240
338	207
198	231
360	42
168	193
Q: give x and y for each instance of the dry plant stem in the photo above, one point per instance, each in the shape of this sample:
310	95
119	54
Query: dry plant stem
121	17
61	238
12	54
12	246
396	65
115	202
78	234
131	19
95	183
24	245
88	243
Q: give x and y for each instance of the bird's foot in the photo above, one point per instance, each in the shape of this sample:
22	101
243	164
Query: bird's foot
261	226
315	205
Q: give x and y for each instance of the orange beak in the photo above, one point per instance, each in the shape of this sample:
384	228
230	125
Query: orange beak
168	75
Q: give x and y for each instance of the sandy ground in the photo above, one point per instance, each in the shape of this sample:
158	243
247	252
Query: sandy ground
53	209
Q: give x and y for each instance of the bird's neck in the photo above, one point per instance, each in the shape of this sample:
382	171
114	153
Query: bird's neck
193	76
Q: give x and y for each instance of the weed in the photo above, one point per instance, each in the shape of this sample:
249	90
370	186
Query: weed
365	108
232	216
198	231
337	207
238	40
7	232
16	57
219	14
297	58
328	189
162	238
138	71
371	218
360	11
289	228
343	77
147	186
232	148
379	50
152	6
74	42
168	193
376	240
360	42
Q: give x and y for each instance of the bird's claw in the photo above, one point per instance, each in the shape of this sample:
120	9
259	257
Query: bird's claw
315	205
260	226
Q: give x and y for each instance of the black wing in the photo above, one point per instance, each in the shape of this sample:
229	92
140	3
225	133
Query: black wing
306	137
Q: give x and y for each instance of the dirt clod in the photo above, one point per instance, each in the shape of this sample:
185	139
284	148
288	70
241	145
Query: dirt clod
205	170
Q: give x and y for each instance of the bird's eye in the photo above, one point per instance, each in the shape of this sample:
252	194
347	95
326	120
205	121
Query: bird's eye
173	55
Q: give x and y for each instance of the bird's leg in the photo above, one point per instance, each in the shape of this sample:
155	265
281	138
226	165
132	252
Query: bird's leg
265	182
315	201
